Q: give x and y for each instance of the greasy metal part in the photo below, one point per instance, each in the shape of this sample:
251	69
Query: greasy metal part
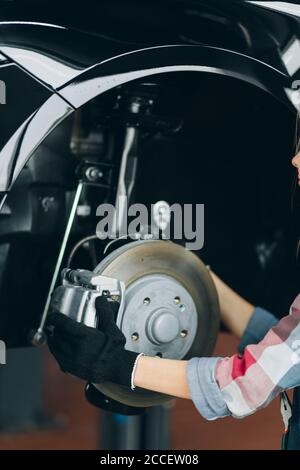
39	336
96	174
85	278
137	105
93	174
162	259
80	288
125	184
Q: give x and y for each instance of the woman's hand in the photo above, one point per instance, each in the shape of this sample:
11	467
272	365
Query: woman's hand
235	311
98	355
93	354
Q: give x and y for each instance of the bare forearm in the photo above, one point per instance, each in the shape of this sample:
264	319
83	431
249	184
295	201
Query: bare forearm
162	375
235	311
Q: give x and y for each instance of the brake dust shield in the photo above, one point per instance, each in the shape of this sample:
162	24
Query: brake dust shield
171	308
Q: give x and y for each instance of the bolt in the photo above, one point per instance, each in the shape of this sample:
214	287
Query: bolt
38	338
146	301
93	173
177	300
47	202
183	333
135	336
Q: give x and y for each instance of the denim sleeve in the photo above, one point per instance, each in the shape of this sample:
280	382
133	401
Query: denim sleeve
205	392
259	325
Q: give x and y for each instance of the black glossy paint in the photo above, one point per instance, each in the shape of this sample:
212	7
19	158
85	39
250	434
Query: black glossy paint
23	97
97	31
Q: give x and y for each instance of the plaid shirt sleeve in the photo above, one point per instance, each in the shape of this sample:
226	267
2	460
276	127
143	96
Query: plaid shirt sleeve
240	385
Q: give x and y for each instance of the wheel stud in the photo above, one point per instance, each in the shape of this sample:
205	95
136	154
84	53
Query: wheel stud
135	336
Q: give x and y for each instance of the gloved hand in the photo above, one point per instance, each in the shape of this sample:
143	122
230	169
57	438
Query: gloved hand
93	354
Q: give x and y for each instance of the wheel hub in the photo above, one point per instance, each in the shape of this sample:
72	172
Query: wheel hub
159	318
163	327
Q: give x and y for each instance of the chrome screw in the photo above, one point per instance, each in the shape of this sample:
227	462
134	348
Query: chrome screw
146	301
183	333
177	300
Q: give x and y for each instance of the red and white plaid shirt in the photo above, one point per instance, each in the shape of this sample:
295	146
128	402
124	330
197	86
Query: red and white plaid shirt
241	384
250	382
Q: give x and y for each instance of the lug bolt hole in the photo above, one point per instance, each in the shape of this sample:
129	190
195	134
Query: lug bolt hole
177	300
183	333
159	354
135	336
146	301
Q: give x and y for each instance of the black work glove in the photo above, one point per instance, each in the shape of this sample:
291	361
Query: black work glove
93	354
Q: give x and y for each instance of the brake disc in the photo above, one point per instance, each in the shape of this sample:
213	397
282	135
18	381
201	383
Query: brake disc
171	307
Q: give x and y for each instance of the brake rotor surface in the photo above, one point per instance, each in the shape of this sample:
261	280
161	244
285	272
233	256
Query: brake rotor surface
171	307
